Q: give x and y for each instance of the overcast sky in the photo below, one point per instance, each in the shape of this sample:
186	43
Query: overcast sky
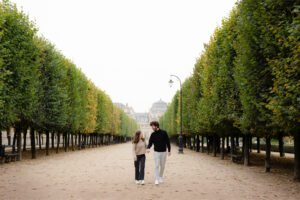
129	48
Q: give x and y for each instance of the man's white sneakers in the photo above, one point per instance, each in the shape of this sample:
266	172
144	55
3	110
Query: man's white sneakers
156	182
161	180
142	182
137	182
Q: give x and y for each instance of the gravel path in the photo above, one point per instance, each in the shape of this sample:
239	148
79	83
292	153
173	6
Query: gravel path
107	173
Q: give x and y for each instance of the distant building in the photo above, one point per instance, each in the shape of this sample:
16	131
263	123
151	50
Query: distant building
127	109
157	110
143	119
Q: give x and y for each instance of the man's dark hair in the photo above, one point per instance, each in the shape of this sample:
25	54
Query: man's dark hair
154	123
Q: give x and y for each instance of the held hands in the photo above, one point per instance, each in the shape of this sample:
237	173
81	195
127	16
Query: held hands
148	150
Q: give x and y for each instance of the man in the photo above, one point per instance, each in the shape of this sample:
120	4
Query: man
160	139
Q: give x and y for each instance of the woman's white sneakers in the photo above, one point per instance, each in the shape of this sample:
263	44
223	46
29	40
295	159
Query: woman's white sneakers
142	182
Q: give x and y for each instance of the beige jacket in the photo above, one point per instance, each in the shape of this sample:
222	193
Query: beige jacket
139	148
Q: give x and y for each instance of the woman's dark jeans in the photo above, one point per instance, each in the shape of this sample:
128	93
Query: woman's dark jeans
139	165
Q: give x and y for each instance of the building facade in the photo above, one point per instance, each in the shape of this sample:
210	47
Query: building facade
143	119
157	110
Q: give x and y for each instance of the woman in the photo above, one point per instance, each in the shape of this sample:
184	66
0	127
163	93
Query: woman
139	150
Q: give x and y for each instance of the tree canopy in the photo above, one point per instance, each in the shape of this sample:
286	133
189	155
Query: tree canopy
41	88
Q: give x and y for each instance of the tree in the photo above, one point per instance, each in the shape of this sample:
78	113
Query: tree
18	61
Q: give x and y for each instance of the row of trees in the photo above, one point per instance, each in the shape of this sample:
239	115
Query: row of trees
247	80
42	90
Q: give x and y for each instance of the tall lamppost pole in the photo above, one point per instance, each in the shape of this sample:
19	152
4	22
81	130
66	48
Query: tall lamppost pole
180	149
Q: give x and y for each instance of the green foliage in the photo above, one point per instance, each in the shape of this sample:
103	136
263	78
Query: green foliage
285	95
128	125
39	87
53	103
170	120
104	112
19	67
247	78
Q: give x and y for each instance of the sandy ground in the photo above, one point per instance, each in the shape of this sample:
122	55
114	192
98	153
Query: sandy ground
107	173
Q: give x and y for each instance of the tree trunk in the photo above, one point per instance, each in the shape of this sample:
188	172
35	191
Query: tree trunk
47	142
215	146
194	143
227	142
218	144
268	154
258	144
8	134
84	140
40	141
68	140
198	143
91	140
90	136
52	140
14	141
281	145
36	138
32	141
72	142
94	140
246	150
79	141
243	147
250	143
65	141
232	147
208	144
202	143
57	141
24	139
19	143
297	156
223	148
237	144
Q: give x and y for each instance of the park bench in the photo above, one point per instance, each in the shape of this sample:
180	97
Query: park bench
7	157
236	157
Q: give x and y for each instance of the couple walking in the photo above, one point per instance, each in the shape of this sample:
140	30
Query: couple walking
160	139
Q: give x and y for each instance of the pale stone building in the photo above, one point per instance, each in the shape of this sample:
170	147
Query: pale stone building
143	119
157	110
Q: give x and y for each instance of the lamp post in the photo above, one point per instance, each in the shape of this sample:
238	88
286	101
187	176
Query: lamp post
180	149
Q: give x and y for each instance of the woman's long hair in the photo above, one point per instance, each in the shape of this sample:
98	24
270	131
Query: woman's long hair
136	137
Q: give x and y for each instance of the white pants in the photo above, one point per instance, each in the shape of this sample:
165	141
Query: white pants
160	162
